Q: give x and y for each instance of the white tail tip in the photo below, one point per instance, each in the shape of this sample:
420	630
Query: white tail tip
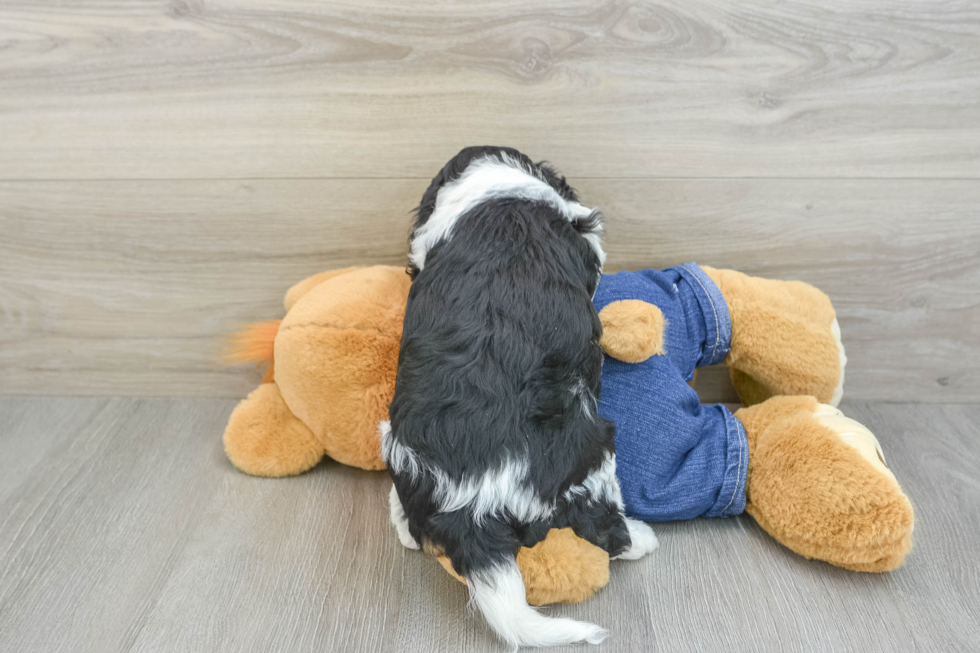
499	594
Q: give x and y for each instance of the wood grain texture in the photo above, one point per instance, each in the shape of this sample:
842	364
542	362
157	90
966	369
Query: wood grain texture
169	168
123	528
130	287
381	88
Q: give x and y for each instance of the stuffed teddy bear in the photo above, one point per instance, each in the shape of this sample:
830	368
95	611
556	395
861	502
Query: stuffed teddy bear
814	479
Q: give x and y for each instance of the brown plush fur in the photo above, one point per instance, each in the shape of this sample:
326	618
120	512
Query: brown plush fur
295	293
562	568
249	446
817	495
782	343
632	330
336	358
336	353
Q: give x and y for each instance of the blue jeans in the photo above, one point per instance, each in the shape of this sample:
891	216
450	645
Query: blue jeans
675	458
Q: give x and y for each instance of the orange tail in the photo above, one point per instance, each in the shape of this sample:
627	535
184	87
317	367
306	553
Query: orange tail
254	343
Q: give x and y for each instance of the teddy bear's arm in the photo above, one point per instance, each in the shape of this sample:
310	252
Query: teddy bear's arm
294	294
632	330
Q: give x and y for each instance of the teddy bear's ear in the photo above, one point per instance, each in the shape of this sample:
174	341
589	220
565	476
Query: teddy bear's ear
632	330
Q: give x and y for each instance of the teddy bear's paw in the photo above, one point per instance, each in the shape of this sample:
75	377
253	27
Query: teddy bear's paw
400	521
821	487
632	330
643	540
265	438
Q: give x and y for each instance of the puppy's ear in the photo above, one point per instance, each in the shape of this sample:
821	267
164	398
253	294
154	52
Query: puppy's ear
556	180
590	224
427	206
428	203
590	228
593	284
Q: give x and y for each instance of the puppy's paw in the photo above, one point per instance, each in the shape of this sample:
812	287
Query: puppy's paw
406	538
643	540
400	521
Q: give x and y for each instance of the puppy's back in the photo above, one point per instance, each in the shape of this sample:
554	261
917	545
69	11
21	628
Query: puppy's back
494	416
500	343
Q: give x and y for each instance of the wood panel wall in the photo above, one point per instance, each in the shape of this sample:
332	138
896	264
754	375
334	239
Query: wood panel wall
168	169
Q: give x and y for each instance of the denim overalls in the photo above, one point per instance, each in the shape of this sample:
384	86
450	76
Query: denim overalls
675	458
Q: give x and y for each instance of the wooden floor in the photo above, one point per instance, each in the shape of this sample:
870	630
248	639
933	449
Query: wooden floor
124	528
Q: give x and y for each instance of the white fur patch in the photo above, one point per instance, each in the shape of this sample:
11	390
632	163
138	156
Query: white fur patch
600	485
502	490
498	491
399	520
499	594
643	540
505	489
398	457
493	177
589	406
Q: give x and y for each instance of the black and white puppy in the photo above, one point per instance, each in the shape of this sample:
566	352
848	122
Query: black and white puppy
493	436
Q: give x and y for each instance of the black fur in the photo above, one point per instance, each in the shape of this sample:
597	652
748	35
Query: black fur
458	164
499	333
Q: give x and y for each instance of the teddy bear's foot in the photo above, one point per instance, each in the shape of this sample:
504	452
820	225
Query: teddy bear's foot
561	568
264	438
819	484
785	339
643	540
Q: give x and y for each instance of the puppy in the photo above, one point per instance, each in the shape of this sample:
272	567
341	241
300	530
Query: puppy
494	436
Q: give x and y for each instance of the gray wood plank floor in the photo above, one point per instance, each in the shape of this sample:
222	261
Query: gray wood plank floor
124	528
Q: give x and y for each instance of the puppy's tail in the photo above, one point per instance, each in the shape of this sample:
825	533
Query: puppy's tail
254	343
498	592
